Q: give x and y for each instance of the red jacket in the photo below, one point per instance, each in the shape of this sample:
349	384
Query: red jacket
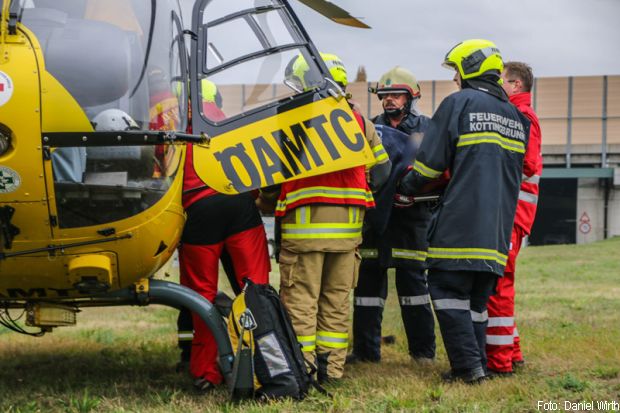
532	165
194	188
346	187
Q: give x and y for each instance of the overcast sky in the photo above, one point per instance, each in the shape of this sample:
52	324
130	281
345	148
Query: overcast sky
557	37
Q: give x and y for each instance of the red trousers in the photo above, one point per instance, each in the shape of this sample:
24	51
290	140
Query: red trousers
502	337
199	271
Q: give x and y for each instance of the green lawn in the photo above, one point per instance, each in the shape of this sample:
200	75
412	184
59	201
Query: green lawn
122	359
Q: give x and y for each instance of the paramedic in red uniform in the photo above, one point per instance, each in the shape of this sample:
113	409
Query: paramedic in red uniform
214	222
503	350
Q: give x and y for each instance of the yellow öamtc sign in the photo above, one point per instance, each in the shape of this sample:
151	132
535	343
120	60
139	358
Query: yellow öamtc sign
313	139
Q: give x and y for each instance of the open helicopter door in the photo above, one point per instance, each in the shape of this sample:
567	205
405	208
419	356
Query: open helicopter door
262	128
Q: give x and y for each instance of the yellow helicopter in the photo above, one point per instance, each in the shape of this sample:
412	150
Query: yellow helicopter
95	116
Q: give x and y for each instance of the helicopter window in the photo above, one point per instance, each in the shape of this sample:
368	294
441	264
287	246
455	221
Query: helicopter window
103	52
246	53
98	185
254	83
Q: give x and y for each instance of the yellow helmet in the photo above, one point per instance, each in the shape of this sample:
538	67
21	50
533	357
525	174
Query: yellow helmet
473	58
208	90
398	79
297	70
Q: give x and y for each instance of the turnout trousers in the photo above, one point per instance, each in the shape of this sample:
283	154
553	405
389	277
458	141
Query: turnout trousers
415	308
503	343
460	301
315	288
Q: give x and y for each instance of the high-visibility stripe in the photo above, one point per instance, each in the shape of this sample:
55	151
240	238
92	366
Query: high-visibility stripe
534	179
425	170
528	197
451	304
491	137
322	231
409	254
301	215
515	333
380	153
324	192
332	340
415	299
496	340
369	302
354	214
468	254
308	343
185	335
369	253
477	317
501	321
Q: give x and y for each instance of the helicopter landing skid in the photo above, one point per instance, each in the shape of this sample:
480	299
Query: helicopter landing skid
149	291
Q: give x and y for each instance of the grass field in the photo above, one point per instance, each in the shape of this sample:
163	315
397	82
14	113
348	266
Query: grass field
122	359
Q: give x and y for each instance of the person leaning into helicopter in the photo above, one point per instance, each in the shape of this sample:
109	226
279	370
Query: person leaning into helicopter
214	222
318	260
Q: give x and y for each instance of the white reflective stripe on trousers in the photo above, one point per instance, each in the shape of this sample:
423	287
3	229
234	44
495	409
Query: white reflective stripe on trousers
477	317
515	333
369	302
451	304
496	340
415	299
501	321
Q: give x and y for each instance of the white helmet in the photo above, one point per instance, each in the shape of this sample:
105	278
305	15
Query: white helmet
114	120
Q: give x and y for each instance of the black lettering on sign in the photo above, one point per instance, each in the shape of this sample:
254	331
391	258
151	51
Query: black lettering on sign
317	124
270	162
31	293
225	158
335	117
296	151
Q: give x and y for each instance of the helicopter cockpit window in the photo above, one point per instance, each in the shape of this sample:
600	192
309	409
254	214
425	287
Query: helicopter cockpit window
124	62
116	54
98	185
247	49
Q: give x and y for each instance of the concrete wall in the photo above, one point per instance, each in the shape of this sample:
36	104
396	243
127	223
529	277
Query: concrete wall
591	210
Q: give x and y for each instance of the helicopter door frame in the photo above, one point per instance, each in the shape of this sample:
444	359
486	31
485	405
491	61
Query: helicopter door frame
199	71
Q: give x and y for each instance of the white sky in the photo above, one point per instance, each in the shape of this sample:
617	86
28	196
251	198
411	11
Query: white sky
556	37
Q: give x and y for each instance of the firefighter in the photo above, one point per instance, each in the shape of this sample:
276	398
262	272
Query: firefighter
481	138
503	349
402	245
216	222
320	222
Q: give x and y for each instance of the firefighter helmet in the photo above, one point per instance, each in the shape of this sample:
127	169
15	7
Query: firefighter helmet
297	70
398	80
472	58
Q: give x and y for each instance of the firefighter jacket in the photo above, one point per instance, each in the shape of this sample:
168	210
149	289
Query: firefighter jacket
396	236
326	212
532	166
481	138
